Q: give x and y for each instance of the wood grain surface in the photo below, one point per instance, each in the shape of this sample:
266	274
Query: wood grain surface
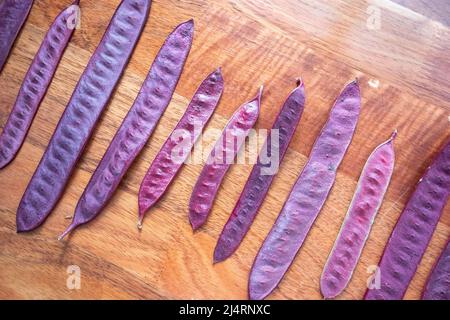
398	50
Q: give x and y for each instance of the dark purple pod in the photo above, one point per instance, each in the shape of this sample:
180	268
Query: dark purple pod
137	126
413	231
220	158
35	85
369	194
82	113
259	181
13	14
307	196
177	147
438	283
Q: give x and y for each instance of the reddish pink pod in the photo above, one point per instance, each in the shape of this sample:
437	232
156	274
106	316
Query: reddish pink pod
261	177
35	85
372	186
177	147
13	14
413	231
438	283
307	196
219	161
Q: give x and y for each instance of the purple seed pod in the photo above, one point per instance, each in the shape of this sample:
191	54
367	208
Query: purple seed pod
35	86
220	158
307	196
438	283
168	161
13	14
258	183
137	126
91	95
372	186
413	230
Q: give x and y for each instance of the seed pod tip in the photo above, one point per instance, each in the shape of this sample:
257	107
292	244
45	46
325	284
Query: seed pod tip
394	134
260	91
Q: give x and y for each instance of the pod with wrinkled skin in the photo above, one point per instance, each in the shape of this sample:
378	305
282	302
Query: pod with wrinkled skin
13	14
438	283
372	186
82	113
173	153
35	85
307	196
259	182
413	230
220	159
137	126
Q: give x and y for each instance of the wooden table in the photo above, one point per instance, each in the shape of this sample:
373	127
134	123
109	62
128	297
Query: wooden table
400	54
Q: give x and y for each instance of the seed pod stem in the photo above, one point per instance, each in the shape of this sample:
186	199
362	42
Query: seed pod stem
173	153
34	86
220	158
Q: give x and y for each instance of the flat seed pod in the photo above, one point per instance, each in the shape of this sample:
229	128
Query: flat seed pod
307	196
259	182
413	230
90	97
372	186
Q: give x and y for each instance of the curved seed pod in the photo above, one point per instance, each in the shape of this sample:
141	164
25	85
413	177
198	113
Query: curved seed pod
13	14
220	158
307	195
413	230
35	85
137	126
259	182
372	186
438	284
81	114
174	152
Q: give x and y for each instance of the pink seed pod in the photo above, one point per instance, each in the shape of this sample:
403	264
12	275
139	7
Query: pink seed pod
224	151
438	283
77	123
35	85
372	186
13	14
413	230
307	196
258	183
138	125
168	161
